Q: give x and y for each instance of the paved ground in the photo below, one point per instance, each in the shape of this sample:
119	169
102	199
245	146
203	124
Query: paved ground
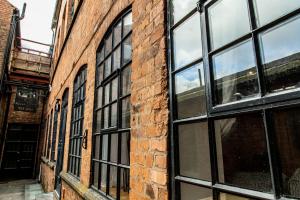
23	190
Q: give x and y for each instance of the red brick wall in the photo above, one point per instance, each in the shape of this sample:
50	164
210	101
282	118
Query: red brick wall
47	177
5	18
149	120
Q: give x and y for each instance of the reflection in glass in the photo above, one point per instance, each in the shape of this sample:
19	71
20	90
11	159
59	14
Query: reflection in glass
114	111
194	157
100	74
114	148
126	81
192	192
106	94
103	177
113	181
287	126
106	119
97	146
104	154
98	122
181	8
99	97
125	148
235	74
279	8
117	58
127	24
224	196
117	33
127	50
96	174
108	45
187	41
100	55
107	67
190	92
114	89
126	112
242	152
228	20
281	56
124	184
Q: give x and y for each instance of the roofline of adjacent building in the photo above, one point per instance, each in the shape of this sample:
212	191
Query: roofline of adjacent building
56	14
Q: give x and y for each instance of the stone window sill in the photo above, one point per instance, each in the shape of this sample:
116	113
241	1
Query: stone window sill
83	191
48	162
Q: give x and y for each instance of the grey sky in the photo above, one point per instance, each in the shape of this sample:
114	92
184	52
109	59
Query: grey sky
37	22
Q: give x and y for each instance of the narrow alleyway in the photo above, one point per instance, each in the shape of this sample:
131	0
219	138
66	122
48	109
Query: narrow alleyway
23	190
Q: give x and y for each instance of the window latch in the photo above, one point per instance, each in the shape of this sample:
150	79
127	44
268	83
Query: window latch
200	5
84	139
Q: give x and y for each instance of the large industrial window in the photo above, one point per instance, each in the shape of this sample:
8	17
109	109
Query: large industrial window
76	135
54	133
111	135
235	99
49	135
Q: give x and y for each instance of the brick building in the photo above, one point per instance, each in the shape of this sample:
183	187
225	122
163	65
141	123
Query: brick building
154	99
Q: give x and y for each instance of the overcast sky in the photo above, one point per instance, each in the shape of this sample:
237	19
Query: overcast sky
37	22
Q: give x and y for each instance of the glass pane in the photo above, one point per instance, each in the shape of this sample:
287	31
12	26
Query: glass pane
106	94
114	148
107	66
235	74
108	45
99	97
125	148
114	115
126	113
194	156
192	192
187	41
103	177
281	56
182	8
114	89
279	8
242	152
224	196
96	174
104	154
124	184
113	182
127	24
98	121
287	126
117	58
228	20
117	33
100	56
106	118
100	74
126	81
127	50
97	147
190	92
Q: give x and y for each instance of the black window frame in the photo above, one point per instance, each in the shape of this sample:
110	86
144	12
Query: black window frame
111	130
75	140
49	135
54	134
265	103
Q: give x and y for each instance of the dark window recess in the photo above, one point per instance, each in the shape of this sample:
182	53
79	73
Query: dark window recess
111	135
234	70
74	162
27	99
54	133
49	135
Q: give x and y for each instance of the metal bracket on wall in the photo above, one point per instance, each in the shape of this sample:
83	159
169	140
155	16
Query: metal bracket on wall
84	139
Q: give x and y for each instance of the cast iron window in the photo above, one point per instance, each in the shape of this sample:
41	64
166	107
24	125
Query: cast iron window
49	135
111	135
46	136
235	99
76	135
53	145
